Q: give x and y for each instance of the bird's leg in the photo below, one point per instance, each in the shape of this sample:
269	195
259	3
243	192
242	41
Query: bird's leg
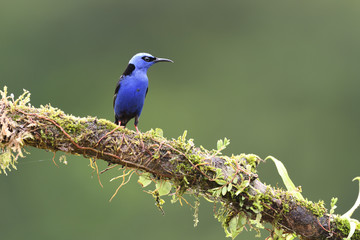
136	123
119	126
137	130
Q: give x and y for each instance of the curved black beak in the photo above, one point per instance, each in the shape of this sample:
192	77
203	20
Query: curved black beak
163	60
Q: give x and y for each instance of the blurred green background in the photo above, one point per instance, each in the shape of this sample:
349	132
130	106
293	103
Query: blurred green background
278	78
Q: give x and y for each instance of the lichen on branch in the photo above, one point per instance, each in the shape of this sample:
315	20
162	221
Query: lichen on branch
176	166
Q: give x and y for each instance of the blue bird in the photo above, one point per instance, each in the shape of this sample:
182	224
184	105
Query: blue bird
131	89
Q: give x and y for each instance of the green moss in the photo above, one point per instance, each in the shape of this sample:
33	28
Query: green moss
16	117
196	159
7	160
257	206
286	197
266	197
183	168
107	124
286	208
317	209
252	160
343	226
156	134
48	136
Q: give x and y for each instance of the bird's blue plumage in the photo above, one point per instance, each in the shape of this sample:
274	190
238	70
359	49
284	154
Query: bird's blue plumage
130	97
132	88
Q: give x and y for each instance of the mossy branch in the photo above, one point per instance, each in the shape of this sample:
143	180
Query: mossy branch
231	181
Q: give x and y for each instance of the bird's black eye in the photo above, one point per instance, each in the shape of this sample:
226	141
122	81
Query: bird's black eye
148	59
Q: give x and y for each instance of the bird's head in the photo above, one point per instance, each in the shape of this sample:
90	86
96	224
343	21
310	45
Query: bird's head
146	60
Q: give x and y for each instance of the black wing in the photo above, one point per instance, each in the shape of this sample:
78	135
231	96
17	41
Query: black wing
129	69
117	90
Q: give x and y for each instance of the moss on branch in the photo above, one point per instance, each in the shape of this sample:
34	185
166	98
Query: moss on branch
175	165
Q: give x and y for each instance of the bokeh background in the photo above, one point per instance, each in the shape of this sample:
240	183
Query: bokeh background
278	78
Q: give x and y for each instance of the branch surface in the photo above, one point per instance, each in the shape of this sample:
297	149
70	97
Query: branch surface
231	181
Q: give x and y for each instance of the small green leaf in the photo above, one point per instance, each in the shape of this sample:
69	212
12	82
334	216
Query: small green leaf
226	142
241	187
235	180
163	187
233	224
234	227
356	204
219	144
333	205
286	179
242	219
219	173
353	222
224	191
183	137
144	179
290	236
220	181
185	179
63	160
159	132
217	193
278	232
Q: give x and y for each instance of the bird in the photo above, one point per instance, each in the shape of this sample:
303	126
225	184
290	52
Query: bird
132	88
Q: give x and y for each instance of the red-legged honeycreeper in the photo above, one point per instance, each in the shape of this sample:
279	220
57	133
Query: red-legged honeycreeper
131	89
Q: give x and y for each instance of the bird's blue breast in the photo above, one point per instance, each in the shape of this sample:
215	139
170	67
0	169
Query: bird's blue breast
131	96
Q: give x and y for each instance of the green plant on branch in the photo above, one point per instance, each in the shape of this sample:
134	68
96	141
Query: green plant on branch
175	168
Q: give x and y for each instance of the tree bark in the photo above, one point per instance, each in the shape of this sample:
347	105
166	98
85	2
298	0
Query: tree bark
190	169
